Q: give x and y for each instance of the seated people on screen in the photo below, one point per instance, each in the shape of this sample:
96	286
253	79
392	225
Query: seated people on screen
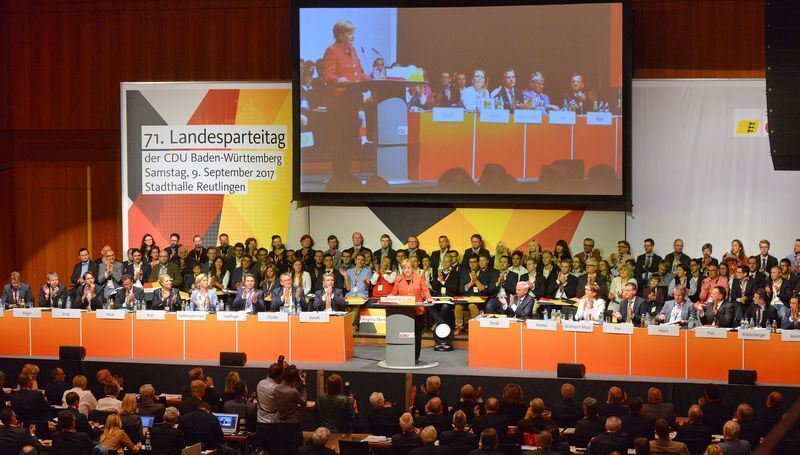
129	296
139	270
575	97
249	298
203	298
446	94
383	278
167	297
378	69
287	296
341	63
53	293
591	307
166	267
534	97
16	293
419	98
476	96
329	298
508	95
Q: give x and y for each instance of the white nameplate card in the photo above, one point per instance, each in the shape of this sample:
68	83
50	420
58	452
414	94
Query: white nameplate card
110	314
191	315
399	299
151	315
598	118
273	317
315	316
448	114
527	116
577	326
64	313
374	319
494	115
620	329
495	323
755	334
562	118
541	324
666	330
790	335
231	316
35	313
711	332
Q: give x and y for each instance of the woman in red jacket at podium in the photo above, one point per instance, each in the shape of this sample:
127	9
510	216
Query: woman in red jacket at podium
412	283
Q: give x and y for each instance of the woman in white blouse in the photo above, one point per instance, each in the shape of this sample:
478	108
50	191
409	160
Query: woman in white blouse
590	308
203	298
301	278
473	97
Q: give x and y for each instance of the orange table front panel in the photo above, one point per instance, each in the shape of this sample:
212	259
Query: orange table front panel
204	340
107	338
603	353
499	143
495	347
48	334
596	145
774	360
444	145
543	350
158	339
711	358
263	341
322	342
658	356
15	335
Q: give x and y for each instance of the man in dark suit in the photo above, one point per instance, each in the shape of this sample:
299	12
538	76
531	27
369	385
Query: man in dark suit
54	392
590	425
768	417
67	440
447	95
209	393
631	307
407	436
634	424
167	297
647	263
174	243
28	404
383	417
718	312
742	290
358	244
545	446
477	249
53	294
287	294
492	419
433	416
761	312
589	252
459	437
129	296
237	275
329	297
249	298
16	293
780	285
715	411
428	436
327	267
655	408
200	425
566	284
385	250
759	278
508	94
765	260
614	404
13	439
165	267
86	264
695	434
413	248
791	319
609	441
503	277
677	256
444	250
234	261
591	276
140	270
81	421
193	401
166	438
567	411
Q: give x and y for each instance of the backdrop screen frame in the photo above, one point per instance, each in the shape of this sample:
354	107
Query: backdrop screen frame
478	198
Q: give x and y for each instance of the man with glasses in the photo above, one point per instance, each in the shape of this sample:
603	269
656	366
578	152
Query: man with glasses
109	274
588	252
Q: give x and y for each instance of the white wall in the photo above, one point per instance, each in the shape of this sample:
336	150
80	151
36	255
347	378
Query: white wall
693	179
375	27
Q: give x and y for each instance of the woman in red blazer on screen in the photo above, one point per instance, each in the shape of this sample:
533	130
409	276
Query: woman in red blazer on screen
412	283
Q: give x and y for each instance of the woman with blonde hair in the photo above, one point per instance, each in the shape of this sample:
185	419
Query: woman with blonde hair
203	298
534	251
230	381
499	251
131	422
32	371
114	438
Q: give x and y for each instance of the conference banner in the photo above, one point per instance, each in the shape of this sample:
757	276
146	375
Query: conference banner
204	159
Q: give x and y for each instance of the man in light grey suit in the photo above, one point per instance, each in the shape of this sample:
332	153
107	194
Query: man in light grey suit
109	273
677	311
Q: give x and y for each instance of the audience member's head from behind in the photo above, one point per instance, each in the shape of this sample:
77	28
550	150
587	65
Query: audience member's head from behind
66	421
713	449
662	429
489	439
321	436
641	446
567	392
8	418
147	393
512	394
730	431
536	408
615	395
635	406
111	389
492	405
775	400
406	422
128	405
72	399
434	406
198	389
744	413
171	416
459	420
545	440
590	407
334	385
79	381
613	424
654	395
428	435
695	415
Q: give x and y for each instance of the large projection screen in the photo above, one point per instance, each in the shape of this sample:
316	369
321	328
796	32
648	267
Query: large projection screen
500	102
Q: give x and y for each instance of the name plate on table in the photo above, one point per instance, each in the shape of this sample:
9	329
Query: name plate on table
315	316
399	299
541	324
64	313
110	314
231	316
151	315
664	330
494	116
620	329
711	332
448	114
790	335
527	116
273	317
191	315
35	313
562	118
755	334
598	118
577	326
494	323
